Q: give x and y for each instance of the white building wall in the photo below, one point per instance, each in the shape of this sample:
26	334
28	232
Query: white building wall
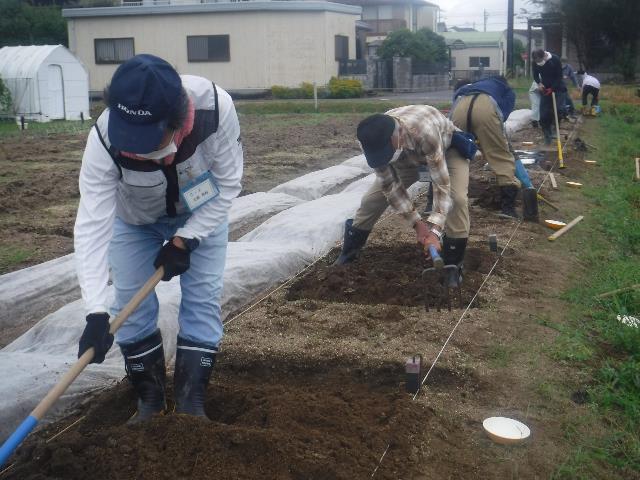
427	18
266	47
462	58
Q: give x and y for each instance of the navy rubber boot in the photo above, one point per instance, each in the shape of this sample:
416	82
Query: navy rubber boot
453	254
354	240
144	363
194	364
530	204
508	195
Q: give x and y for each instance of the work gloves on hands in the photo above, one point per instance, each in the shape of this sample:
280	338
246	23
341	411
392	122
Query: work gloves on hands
96	334
175	260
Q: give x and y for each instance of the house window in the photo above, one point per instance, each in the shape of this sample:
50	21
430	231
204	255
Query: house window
369	12
113	50
385	12
208	48
477	61
342	47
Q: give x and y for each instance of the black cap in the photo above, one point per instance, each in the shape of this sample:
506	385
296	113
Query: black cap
375	134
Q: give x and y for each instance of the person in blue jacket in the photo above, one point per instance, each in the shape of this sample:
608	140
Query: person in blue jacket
481	108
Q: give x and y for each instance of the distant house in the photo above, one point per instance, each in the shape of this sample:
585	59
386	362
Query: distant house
239	45
461	29
476	54
385	16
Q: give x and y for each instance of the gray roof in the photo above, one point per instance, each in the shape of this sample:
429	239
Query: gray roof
297	6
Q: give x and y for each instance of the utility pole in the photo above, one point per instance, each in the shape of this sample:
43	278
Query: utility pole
486	16
510	71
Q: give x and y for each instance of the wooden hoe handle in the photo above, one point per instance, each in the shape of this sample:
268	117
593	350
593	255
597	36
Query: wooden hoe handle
67	379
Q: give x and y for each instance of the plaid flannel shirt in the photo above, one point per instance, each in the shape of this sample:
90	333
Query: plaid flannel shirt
425	135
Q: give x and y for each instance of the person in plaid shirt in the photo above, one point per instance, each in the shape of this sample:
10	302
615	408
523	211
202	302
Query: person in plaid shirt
396	144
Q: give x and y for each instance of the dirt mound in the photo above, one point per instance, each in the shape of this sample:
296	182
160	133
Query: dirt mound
272	419
384	275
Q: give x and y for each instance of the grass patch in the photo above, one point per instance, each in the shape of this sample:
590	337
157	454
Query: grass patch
10	128
500	356
594	339
271	107
11	255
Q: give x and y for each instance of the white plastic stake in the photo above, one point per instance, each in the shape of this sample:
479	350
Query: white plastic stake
315	95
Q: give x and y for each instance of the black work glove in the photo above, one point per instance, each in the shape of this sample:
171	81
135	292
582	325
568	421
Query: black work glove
96	334
175	260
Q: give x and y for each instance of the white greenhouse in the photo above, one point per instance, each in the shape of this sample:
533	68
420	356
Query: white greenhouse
46	82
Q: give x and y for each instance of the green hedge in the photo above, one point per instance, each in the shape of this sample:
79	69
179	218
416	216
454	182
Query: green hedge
337	88
344	88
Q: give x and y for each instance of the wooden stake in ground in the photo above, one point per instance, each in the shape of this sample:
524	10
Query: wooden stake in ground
619	290
541	198
555	114
637	169
554	184
566	228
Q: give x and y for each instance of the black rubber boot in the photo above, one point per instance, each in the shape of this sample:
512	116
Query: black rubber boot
453	254
508	196
194	364
144	363
548	134
530	204
354	240
429	207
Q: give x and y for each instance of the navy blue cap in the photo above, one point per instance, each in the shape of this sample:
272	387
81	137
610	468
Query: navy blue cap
143	94
375	134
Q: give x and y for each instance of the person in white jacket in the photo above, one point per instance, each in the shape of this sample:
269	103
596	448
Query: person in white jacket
160	169
589	85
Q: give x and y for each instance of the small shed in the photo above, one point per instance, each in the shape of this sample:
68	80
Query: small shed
47	82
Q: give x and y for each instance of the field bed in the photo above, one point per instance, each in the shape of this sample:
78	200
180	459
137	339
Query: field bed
310	382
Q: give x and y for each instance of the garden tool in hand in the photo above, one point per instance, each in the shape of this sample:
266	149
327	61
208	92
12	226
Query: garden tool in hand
439	280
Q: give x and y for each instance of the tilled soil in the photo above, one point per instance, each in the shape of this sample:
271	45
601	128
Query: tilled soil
39	176
310	383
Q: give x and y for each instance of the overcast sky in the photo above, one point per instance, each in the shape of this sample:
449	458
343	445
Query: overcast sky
463	13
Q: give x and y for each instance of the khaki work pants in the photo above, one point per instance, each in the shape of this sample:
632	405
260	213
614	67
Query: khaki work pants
489	130
374	203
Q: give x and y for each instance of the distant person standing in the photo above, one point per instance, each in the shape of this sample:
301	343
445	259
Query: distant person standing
547	73
568	73
534	99
589	86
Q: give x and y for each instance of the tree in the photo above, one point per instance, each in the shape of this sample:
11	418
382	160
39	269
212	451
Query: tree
6	104
602	30
423	45
24	24
518	50
620	19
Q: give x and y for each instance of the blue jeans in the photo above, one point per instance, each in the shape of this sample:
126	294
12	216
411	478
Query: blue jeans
132	252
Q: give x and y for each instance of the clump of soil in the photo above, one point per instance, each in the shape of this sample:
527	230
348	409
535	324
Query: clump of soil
389	275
